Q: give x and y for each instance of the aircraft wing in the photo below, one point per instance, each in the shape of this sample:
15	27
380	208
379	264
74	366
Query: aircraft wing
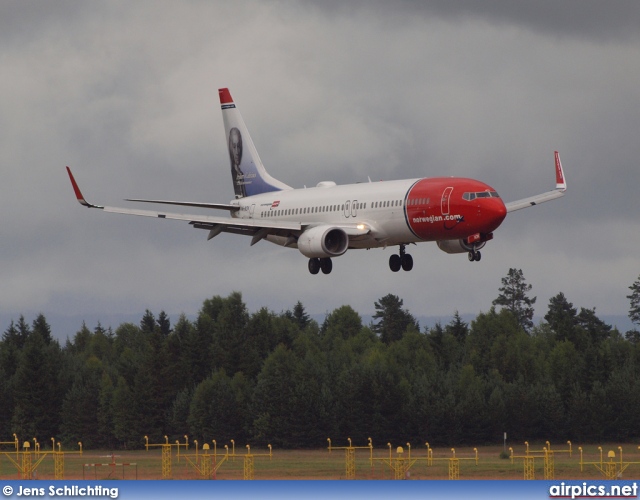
258	229
561	187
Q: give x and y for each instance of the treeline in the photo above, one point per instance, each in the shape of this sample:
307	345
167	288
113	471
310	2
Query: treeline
284	379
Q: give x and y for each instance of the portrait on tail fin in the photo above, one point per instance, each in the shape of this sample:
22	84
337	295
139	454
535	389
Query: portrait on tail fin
235	155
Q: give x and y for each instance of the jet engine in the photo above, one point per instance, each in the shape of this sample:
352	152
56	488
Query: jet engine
323	241
459	246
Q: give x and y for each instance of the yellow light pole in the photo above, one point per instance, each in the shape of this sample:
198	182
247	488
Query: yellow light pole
186	442
26	461
580	449
233	449
527	445
399	466
454	466
600	448
620	449
146	442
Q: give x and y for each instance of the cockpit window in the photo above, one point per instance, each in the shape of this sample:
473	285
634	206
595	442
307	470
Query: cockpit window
480	194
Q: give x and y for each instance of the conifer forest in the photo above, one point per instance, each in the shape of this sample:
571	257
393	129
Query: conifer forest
285	379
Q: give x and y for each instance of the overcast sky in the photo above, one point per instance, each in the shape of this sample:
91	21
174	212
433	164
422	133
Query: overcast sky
126	94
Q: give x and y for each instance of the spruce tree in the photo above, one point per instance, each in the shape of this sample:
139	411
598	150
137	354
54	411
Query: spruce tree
393	320
513	297
634	299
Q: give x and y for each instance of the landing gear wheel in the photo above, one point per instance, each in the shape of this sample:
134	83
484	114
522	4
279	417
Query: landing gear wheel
395	263
314	266
407	262
326	265
474	255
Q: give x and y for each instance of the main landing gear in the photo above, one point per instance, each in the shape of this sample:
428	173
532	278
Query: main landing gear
315	265
402	260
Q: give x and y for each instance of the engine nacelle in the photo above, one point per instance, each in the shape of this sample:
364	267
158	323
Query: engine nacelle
458	246
323	241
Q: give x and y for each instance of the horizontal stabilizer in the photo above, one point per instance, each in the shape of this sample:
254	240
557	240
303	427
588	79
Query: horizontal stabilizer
218	206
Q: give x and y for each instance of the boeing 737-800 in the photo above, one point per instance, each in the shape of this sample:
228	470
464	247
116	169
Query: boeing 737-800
325	221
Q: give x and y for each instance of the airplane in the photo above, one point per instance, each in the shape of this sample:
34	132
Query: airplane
325	221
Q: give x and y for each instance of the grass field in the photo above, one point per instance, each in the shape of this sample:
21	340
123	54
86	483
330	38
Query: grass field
320	464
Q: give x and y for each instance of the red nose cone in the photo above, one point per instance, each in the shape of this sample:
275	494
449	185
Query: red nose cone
493	212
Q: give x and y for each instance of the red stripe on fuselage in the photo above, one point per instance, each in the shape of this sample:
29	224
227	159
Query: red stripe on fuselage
436	210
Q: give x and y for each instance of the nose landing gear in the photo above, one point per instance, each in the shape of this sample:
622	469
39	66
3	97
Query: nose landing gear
474	255
402	260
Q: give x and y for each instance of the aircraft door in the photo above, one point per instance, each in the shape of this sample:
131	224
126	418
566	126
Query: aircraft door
354	208
251	210
444	203
347	208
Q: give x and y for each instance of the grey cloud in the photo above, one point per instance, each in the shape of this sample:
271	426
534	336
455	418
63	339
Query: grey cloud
591	19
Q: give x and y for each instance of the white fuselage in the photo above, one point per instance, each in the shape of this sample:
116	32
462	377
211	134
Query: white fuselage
378	204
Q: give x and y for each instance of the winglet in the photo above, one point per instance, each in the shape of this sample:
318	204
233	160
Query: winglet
561	183
78	193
